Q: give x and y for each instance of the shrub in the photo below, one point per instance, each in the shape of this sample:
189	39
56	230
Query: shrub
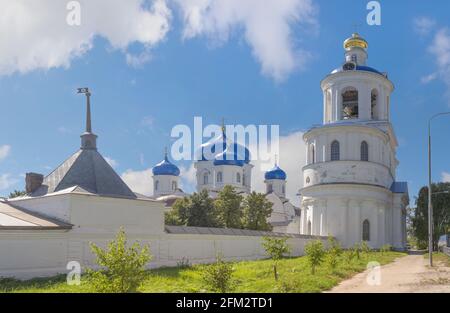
122	268
357	250
334	251
315	254
184	263
365	247
218	276
385	248
276	248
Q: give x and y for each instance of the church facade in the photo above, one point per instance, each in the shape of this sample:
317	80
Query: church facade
350	189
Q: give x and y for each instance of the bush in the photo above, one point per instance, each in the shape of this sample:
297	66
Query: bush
365	247
276	248
123	269
315	254
183	263
218	276
357	250
385	248
334	251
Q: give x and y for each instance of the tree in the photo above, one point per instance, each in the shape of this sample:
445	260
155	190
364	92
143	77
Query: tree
195	210
17	193
228	208
441	214
334	252
256	211
201	210
276	248
123	268
315	254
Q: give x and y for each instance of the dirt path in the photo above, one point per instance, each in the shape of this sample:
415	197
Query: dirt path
406	274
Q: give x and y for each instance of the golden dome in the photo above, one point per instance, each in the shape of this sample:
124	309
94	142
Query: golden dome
355	41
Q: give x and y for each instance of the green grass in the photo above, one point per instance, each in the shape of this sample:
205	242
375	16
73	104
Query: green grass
249	276
440	257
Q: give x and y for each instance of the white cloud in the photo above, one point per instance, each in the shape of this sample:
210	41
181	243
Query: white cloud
148	121
440	48
424	25
6	181
139	181
5	150
188	178
113	163
35	34
429	78
446	177
138	60
291	160
267	27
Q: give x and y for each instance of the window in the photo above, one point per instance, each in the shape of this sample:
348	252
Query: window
156	185
374	102
238	178
243	179
354	58
335	151
366	231
312	154
283	189
364	151
350	104
219	177
205	179
269	188
309	228
174	185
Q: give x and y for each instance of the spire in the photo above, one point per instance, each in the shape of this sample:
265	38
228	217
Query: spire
88	139
165	154
223	125
276	159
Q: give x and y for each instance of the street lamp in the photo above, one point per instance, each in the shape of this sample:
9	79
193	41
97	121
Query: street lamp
430	206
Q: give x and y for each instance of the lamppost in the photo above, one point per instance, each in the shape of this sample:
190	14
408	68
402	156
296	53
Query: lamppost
430	206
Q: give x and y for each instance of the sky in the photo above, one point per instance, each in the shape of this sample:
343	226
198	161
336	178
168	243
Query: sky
152	65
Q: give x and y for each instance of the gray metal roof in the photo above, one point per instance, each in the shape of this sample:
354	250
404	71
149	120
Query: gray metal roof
228	231
15	218
90	172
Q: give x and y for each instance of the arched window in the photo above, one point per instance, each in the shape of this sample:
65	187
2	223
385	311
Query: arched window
312	154
219	177
374	103
364	151
309	228
238	177
335	151
283	189
350	104
156	185
366	231
269	188
205	179
174	185
354	58
243	179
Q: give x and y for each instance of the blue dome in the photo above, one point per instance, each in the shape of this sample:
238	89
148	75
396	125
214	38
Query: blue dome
275	173
228	158
359	68
166	168
221	144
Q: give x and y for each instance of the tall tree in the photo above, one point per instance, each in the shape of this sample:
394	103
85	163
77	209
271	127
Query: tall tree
228	208
201	210
195	210
256	211
441	214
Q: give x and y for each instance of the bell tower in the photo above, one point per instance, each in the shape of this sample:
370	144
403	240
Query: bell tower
349	182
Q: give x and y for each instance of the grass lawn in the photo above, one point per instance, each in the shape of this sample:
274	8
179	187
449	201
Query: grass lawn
249	276
440	257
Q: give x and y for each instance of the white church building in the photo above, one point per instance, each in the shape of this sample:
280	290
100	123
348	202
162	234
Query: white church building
349	191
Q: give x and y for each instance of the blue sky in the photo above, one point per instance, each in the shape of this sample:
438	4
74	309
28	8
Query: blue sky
227	67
